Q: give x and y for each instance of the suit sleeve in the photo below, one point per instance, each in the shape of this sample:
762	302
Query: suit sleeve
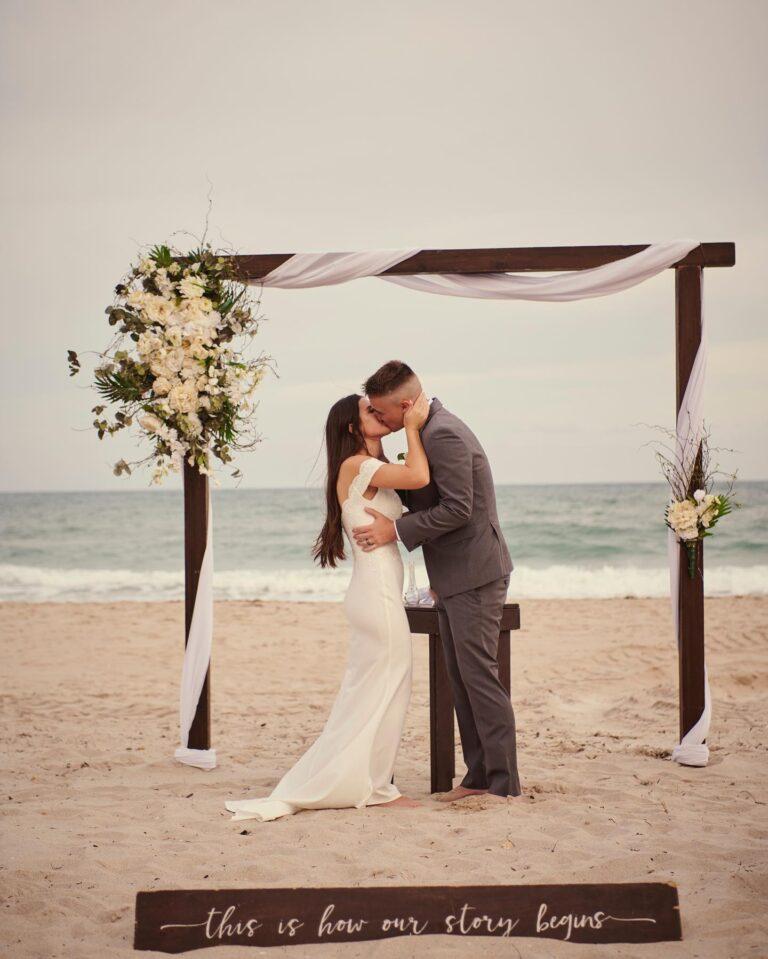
403	494
450	462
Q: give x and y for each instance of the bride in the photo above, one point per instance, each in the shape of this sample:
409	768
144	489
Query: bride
351	762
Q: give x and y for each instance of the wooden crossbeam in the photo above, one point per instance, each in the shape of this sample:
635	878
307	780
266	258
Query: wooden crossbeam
515	259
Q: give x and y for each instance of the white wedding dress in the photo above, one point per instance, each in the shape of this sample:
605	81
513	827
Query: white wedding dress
352	761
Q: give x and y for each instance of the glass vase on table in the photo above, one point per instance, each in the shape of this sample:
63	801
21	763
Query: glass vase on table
412	592
416	595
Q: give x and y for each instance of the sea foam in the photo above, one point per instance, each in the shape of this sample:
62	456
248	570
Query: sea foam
43	584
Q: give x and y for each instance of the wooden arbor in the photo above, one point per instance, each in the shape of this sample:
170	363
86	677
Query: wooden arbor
688	287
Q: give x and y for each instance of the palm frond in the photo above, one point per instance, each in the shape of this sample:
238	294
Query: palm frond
116	387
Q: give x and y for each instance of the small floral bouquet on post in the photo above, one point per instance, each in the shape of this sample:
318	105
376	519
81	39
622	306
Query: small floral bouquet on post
694	509
173	367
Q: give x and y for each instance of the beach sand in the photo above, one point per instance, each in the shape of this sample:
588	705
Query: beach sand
96	808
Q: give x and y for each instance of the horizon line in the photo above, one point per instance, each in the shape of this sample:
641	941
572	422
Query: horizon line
266	489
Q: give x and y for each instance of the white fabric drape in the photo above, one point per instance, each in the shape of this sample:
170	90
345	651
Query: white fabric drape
573	285
326	269
305	270
197	656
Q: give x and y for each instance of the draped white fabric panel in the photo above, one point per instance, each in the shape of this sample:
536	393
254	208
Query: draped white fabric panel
197	656
305	270
573	285
326	269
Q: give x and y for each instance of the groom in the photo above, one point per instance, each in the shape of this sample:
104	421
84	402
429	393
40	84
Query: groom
454	518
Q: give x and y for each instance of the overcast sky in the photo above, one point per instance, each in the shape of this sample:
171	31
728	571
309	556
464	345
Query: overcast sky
349	126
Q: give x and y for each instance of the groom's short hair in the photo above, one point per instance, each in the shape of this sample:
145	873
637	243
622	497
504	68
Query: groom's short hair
388	378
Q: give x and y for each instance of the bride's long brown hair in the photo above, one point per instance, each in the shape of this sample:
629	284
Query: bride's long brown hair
341	442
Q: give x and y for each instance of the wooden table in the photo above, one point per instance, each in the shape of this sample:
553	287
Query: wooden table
423	619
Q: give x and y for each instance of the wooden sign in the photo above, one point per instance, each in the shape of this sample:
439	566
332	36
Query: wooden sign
180	920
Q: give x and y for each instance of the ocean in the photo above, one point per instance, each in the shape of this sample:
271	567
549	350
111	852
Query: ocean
582	540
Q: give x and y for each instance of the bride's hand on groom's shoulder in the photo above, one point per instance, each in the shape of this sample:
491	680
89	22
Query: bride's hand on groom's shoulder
416	415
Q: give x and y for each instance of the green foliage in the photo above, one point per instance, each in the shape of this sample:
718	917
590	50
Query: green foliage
161	254
116	386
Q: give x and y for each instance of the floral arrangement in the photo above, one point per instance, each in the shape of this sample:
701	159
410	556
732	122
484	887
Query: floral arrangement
692	518
694	509
173	369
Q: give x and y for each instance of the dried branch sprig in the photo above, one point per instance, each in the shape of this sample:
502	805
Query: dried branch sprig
693	450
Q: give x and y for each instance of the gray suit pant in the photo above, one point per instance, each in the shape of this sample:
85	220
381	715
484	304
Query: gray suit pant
469	627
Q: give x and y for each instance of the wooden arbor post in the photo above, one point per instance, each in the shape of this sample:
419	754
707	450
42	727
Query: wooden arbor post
688	287
195	530
688	276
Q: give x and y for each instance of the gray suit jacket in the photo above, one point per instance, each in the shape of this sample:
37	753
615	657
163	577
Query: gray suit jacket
454	517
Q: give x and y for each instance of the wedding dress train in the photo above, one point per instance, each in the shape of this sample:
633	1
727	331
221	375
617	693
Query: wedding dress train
352	760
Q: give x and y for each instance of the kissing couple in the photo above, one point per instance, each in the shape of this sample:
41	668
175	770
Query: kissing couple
445	484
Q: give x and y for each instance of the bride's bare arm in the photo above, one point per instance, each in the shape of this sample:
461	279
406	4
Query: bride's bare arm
412	474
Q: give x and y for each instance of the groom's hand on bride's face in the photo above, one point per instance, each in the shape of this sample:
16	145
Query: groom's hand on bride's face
380	532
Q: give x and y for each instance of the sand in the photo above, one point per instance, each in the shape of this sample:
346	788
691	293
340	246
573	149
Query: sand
95	807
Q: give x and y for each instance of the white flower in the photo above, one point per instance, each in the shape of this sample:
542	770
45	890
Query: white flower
183	397
175	359
150	422
192	287
191	363
148	343
136	298
163	282
155	308
174	269
158	309
199	323
161	386
197	347
683	519
699	495
707	509
157	365
146	265
194	423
